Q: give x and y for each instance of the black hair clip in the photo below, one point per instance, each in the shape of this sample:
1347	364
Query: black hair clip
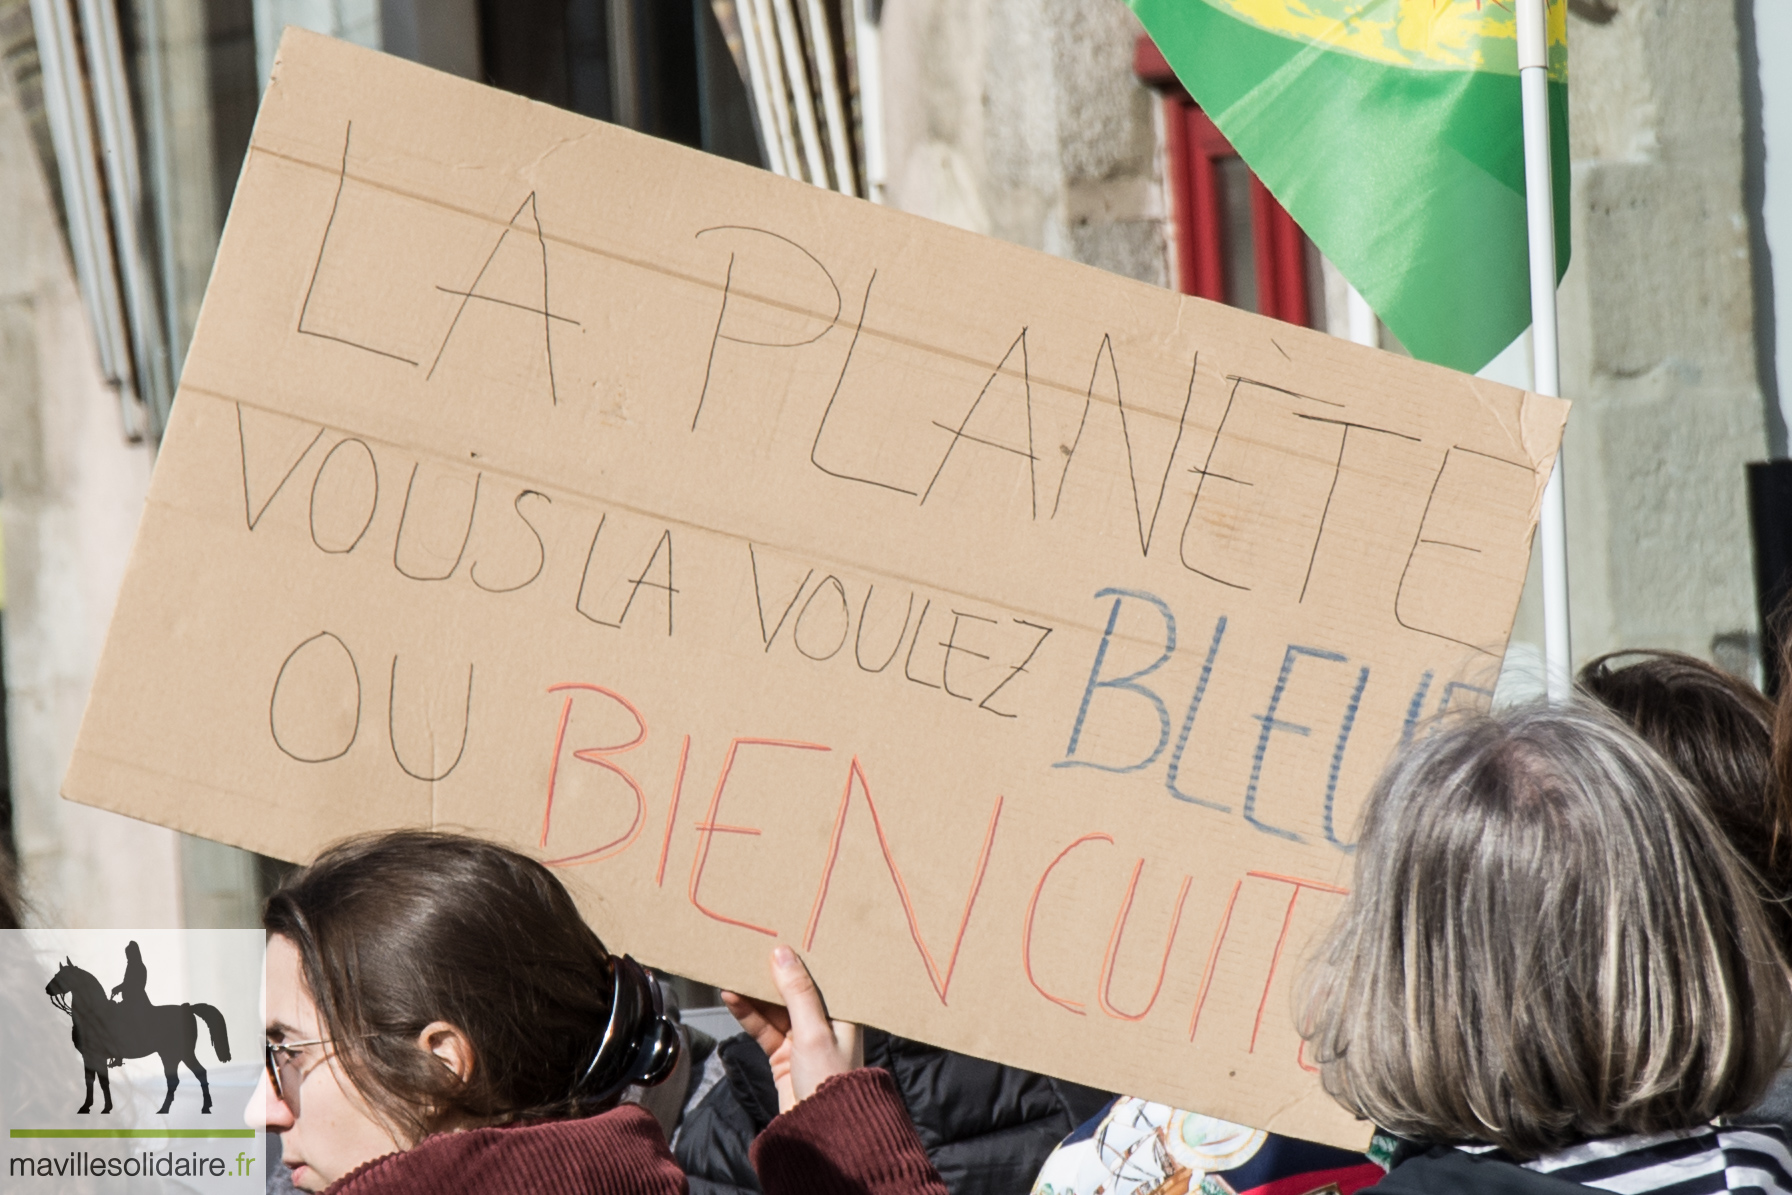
640	1044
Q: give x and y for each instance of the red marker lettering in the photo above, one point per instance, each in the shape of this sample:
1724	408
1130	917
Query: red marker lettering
1026	938
708	828
600	757
941	979
1102	990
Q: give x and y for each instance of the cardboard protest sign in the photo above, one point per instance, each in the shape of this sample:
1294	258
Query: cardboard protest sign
1015	639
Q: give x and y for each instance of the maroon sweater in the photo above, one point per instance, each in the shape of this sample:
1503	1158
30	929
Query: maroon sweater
620	1152
852	1137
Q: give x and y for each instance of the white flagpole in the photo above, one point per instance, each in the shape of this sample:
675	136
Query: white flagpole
1360	317
1533	80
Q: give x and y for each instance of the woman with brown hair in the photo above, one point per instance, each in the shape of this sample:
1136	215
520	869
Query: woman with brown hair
1718	732
440	1017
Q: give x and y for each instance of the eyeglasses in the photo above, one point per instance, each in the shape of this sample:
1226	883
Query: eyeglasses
283	1054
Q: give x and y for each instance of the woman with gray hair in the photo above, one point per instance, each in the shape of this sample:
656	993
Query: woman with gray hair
1552	968
1553	973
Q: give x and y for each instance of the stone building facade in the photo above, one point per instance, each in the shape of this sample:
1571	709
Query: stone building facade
1024	120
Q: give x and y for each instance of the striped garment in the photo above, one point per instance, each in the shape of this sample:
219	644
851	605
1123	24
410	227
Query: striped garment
1690	1162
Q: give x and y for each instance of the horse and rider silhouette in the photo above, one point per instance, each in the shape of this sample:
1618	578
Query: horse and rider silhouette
107	1031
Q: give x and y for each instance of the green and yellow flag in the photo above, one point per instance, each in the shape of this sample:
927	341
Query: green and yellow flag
1390	130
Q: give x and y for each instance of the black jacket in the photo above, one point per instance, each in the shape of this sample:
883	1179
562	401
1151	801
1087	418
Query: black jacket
987	1127
1443	1170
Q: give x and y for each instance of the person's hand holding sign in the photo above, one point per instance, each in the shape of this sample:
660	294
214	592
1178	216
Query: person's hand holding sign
805	1047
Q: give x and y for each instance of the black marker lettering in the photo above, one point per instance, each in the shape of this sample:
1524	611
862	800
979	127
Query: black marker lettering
815	445
959	432
373	502
252	516
547	314
541	554
308	737
780	244
392	731
857	654
316	266
1044	634
796	631
1337	467
759	598
908	660
636	584
404	515
951	645
1147	531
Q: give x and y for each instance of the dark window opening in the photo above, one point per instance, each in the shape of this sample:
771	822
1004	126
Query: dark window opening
659	66
235	90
